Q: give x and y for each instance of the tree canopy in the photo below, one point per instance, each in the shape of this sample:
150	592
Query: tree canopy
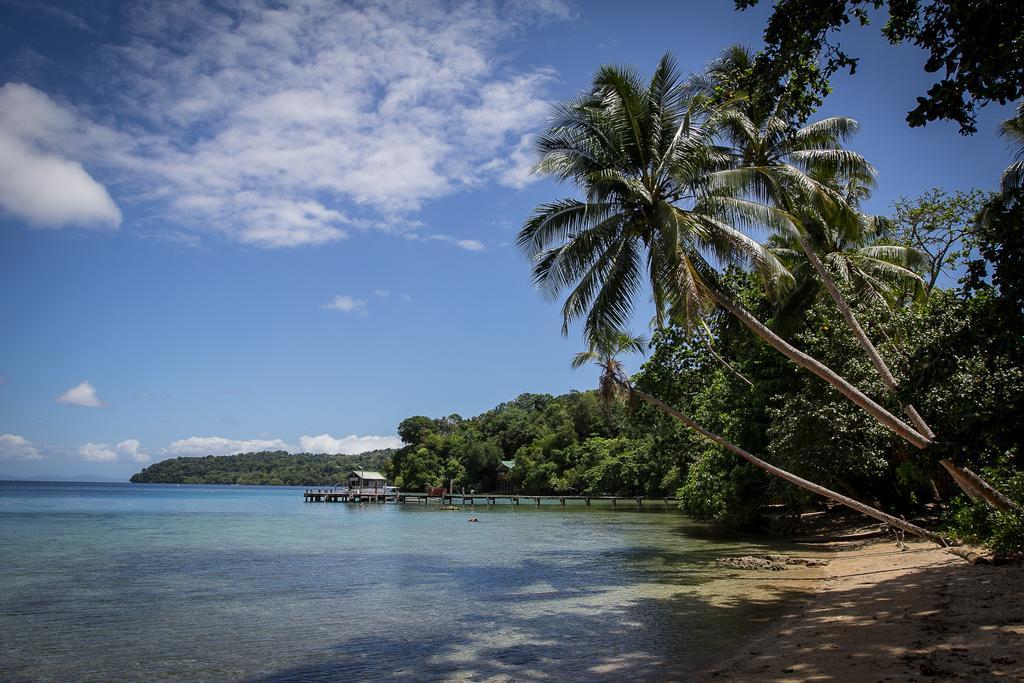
275	468
976	49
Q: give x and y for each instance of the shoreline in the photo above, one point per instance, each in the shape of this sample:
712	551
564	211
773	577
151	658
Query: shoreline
880	613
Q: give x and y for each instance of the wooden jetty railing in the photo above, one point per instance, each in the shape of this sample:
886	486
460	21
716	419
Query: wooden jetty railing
345	496
377	496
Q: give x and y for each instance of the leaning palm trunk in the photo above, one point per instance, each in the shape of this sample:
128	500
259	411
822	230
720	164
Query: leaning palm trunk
862	338
821	370
974	486
783	474
714	354
977	488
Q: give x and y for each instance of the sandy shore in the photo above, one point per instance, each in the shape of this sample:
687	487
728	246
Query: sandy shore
882	614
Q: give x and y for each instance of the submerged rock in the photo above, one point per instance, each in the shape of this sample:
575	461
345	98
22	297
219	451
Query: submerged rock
773	563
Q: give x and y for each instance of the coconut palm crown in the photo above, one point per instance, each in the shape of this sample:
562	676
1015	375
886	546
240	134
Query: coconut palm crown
795	171
1013	131
858	257
651	209
604	350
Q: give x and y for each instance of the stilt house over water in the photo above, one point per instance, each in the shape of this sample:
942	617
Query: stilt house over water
365	480
506	476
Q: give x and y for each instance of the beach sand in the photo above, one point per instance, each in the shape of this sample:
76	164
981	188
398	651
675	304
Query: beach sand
885	614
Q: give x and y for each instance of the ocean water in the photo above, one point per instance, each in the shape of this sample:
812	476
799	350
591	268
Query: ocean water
109	582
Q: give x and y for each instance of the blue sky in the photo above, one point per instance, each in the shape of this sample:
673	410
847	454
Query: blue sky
230	226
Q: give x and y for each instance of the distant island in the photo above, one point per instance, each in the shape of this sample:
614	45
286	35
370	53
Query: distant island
272	468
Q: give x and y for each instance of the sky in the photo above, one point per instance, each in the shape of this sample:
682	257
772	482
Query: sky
234	226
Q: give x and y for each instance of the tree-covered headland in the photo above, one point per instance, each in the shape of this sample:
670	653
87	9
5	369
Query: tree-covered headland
273	468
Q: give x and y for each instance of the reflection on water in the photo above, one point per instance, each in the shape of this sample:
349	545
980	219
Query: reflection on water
119	581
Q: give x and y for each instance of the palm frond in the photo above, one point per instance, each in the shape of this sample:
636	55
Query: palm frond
826	133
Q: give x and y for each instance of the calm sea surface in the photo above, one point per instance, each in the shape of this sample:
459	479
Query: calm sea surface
141	581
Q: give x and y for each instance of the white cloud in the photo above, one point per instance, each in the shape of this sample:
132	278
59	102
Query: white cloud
507	106
296	123
83	396
325	443
346	303
382	293
517	170
468	245
97	452
38	183
14	447
130	448
218	445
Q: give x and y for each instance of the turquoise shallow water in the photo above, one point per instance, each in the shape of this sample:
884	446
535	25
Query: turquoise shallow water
124	582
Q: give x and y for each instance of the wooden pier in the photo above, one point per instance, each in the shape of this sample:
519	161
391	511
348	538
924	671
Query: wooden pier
346	496
515	499
376	496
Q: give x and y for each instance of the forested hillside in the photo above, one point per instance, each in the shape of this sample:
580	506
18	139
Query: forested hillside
275	468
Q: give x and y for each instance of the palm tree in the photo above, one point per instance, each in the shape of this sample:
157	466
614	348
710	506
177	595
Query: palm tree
604	350
656	190
798	174
1013	130
859	260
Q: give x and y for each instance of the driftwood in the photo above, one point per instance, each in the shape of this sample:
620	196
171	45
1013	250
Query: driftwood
971	555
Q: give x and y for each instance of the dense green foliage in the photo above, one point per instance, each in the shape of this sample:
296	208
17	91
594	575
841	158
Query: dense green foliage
976	49
676	179
560	444
951	351
275	468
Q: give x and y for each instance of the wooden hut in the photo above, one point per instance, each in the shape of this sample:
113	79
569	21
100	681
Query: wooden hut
364	480
506	475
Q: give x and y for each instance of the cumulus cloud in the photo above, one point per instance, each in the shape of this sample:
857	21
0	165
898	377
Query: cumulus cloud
97	452
14	447
37	182
130	448
506	106
279	125
468	245
517	170
82	396
383	293
346	303
218	445
325	443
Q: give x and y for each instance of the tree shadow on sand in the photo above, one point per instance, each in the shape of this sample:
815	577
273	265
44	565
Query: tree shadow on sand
951	621
908	627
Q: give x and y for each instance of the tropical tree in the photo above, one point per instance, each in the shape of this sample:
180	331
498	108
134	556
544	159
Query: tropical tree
657	193
1013	130
975	46
604	349
798	175
862	262
940	225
